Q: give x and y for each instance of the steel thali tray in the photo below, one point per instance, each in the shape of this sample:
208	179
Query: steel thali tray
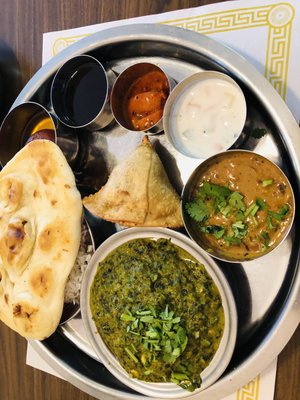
267	291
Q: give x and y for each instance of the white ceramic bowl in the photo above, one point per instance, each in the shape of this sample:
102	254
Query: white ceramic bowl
205	114
223	355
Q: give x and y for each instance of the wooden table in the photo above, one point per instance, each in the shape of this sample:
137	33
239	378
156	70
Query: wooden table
22	23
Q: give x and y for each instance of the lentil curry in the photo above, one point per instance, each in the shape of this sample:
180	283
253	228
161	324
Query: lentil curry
158	311
243	205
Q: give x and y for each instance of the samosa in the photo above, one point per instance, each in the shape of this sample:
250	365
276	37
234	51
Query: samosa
138	193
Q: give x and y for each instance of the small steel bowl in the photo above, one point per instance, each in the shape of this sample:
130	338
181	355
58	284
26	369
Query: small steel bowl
222	356
80	93
196	179
27	118
123	87
187	121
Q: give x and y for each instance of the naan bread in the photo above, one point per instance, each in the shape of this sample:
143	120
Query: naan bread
138	193
40	230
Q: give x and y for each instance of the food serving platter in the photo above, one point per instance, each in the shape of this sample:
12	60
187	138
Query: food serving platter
267	290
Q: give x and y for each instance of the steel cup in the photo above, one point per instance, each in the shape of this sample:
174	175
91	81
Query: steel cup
80	93
138	97
30	118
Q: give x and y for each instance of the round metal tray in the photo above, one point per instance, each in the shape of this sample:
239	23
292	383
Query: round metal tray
267	290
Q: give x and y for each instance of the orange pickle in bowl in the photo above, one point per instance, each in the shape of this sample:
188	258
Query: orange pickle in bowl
145	100
139	96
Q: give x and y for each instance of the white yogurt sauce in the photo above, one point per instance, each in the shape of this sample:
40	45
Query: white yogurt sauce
207	117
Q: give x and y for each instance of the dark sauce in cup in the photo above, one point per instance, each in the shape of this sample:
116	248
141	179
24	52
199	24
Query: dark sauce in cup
84	94
79	91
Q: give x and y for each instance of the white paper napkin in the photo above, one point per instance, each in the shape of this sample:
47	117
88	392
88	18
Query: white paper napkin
267	34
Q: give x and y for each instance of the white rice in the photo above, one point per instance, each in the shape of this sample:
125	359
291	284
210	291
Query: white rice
72	289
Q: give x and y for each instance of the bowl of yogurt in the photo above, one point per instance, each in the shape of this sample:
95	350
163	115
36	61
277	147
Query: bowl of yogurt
205	114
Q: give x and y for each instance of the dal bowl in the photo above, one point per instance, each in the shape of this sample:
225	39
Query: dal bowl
136	307
238	206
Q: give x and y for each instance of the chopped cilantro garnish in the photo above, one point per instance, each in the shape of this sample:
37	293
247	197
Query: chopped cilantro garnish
239	215
266	238
285	209
267	182
261	203
216	230
252	210
236	201
224	209
159	332
281	214
270	223
239	229
215	191
198	210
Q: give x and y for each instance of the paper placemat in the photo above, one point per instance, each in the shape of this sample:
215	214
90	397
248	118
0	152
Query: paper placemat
267	34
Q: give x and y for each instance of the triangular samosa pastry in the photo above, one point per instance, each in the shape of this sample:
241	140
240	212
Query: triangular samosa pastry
138	193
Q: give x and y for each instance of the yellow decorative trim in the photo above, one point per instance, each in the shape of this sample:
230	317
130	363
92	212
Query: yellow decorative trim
62	43
277	17
250	391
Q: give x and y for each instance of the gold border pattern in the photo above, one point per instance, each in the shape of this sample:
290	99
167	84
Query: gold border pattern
277	17
250	391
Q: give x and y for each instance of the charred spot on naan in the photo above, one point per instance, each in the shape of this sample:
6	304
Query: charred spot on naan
16	244
41	281
36	194
46	169
53	236
11	190
24	310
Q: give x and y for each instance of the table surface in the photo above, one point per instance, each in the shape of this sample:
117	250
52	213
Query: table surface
22	23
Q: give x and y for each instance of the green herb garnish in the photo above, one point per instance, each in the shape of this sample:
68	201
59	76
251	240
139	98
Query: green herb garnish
239	229
266	238
261	203
236	201
160	333
197	210
267	182
281	214
216	230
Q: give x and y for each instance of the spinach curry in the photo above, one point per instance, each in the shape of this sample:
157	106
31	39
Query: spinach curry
158	311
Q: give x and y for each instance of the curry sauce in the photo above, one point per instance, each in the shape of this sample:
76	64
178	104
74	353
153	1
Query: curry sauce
246	205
